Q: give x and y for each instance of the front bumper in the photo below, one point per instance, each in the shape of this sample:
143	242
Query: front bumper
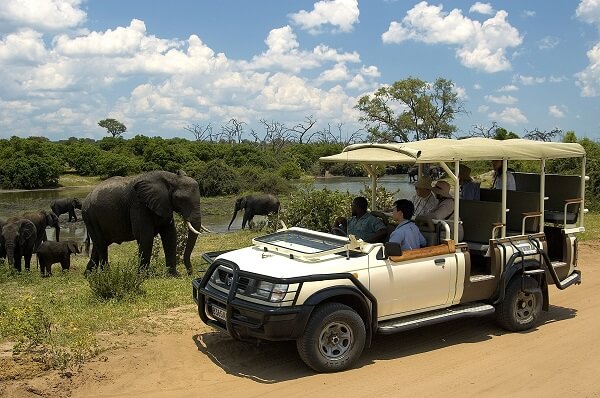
242	319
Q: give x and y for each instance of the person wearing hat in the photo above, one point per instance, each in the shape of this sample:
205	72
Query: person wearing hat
423	199
469	189
445	208
497	182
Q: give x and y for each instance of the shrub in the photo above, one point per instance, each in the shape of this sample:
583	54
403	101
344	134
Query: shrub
119	280
271	183
114	164
290	171
316	209
347	169
29	172
384	199
218	178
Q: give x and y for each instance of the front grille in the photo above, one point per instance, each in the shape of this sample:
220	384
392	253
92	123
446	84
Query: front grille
224	279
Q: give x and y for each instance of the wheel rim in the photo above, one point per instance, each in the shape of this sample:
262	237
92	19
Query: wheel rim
525	307
335	340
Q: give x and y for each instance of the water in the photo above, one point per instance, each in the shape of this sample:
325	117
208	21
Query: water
14	203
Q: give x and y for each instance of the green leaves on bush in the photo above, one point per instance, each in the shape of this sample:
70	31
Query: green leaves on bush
316	209
218	178
119	280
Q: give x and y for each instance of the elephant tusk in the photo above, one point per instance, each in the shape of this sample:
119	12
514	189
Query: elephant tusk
189	225
206	229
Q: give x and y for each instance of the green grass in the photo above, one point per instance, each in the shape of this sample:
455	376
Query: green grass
592	226
74	180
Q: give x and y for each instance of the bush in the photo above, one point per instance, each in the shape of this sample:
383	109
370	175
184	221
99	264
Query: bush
290	171
316	209
114	164
119	280
347	169
384	198
29	172
218	178
271	183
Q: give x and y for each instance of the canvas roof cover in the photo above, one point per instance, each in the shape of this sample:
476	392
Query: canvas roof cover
448	150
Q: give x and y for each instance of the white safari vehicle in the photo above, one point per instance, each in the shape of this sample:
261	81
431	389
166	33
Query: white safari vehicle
331	294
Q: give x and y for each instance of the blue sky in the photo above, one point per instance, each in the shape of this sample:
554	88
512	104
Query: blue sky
159	66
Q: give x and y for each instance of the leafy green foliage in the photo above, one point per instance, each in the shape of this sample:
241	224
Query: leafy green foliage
316	209
218	178
427	110
290	171
384	199
119	280
113	127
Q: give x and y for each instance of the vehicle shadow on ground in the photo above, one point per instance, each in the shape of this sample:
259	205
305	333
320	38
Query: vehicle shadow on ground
274	362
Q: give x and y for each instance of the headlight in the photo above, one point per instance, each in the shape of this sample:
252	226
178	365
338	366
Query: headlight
269	291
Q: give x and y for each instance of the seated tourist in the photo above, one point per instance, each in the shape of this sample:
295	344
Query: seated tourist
469	189
445	208
362	223
498	177
406	234
423	199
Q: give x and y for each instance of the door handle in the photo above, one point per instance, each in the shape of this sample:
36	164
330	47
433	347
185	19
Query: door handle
439	261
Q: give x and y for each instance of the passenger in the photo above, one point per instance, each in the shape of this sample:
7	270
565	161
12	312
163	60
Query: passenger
497	182
423	199
445	208
469	189
362	223
407	234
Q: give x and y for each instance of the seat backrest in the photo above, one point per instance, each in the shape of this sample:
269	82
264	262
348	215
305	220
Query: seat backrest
518	203
478	218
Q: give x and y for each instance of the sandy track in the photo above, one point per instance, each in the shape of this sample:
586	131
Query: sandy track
462	358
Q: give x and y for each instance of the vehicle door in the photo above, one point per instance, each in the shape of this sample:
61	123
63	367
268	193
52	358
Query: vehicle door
413	285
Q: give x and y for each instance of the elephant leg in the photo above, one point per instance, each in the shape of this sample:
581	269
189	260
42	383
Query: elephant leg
27	257
168	237
145	241
99	257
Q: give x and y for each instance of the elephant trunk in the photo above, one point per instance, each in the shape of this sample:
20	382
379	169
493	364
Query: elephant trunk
232	218
57	233
10	253
194	225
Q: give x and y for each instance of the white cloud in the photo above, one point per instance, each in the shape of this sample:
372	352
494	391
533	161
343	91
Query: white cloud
483	108
371	71
24	46
510	115
589	11
337	73
480	46
555	111
461	92
508	88
528	13
482	8
548	43
42	15
341	14
529	80
589	78
557	79
502	99
477	86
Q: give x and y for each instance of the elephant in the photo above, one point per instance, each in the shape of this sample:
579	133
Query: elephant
255	205
56	252
18	240
413	174
139	207
66	205
42	219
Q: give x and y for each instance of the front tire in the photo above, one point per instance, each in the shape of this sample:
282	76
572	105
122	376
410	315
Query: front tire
334	338
520	310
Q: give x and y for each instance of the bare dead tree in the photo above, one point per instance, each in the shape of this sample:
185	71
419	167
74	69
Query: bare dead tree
276	135
478	130
327	136
302	129
233	131
201	132
547	136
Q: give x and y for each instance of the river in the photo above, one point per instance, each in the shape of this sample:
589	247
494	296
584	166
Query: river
17	202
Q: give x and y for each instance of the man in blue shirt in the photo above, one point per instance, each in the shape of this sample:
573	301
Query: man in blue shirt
407	234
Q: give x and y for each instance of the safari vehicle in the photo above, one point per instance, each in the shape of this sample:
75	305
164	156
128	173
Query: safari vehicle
331	293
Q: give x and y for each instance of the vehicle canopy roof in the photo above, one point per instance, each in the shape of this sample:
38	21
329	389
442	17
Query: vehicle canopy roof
451	150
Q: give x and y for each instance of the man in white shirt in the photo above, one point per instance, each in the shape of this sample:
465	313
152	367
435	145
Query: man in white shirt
497	182
423	199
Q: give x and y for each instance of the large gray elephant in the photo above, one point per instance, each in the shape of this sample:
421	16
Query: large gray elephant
253	205
66	205
43	219
139	207
18	239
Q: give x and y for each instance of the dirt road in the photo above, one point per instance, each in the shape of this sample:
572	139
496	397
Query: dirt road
560	358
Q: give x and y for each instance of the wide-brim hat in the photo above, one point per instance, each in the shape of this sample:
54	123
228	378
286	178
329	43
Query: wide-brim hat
424	183
442	188
464	171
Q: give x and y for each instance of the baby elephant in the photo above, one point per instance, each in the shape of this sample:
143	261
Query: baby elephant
51	252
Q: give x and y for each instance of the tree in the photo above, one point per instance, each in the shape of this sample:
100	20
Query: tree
425	110
538	135
113	127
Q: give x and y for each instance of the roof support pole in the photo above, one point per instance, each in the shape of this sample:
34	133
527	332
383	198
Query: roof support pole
371	170
581	209
454	177
504	171
542	192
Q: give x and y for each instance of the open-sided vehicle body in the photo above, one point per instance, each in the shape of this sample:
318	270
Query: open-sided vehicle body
331	294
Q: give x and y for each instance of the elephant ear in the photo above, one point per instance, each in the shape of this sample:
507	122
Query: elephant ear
73	248
27	231
49	219
155	196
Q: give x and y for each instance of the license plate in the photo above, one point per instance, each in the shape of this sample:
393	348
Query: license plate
218	312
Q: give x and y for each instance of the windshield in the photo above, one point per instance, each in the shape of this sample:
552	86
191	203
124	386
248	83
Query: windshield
301	242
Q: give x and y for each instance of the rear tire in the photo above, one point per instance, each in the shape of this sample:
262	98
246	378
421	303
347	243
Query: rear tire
519	311
334	338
